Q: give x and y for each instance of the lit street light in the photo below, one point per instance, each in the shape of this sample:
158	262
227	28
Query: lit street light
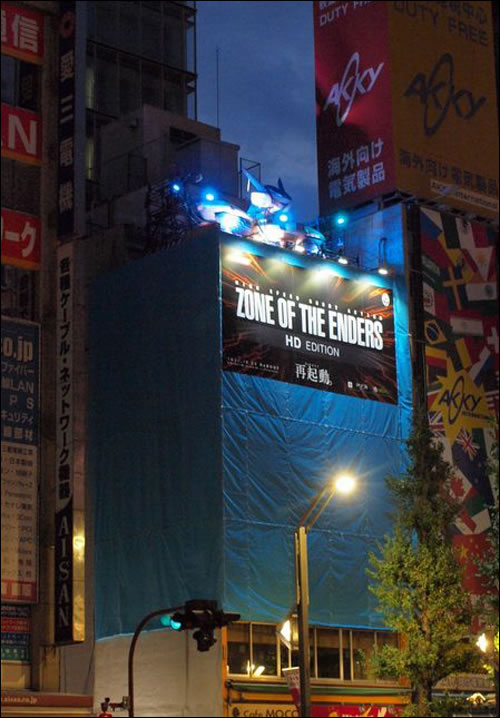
343	484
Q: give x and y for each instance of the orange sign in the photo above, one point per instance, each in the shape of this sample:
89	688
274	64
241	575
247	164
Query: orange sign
20	239
21	135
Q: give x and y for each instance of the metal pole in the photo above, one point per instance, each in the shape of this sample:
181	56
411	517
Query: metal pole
138	630
302	587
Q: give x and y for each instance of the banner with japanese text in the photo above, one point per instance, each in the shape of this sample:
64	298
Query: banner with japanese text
308	326
406	102
69	524
353	103
461	334
22	33
21	240
20	442
445	104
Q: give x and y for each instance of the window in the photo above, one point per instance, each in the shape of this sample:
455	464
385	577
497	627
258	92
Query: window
238	649
130	97
328	653
254	650
106	82
264	653
20	186
20	83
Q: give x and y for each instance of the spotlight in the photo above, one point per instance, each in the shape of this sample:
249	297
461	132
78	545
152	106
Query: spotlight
176	187
340	220
383	270
283	217
209	196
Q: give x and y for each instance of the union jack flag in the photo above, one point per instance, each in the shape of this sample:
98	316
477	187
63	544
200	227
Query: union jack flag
467	443
436	424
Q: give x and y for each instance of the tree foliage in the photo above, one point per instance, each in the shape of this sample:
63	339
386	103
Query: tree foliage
417	579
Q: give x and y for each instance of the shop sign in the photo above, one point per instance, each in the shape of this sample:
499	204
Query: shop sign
21	135
21	239
19	451
22	33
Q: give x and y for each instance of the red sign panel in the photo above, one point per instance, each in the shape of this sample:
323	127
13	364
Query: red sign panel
353	103
20	239
21	135
22	33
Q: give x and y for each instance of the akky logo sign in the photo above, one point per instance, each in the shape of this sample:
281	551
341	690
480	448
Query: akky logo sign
438	93
354	81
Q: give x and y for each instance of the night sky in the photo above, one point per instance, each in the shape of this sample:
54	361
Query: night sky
266	88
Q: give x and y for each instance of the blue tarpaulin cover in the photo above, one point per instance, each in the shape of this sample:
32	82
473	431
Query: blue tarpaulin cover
199	476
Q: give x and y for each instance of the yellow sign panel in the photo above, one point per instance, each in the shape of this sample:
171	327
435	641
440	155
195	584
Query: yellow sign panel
444	103
462	403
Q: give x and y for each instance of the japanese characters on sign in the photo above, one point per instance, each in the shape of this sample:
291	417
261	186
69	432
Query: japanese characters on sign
20	239
353	103
20	440
22	33
445	109
16	634
21	135
308	326
66	119
69	530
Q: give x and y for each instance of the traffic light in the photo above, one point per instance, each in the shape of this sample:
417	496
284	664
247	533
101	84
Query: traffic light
202	615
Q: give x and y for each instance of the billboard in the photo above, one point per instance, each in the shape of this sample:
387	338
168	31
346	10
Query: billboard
461	335
20	440
353	103
444	107
415	84
308	326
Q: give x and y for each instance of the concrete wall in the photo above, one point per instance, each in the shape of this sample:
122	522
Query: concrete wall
171	678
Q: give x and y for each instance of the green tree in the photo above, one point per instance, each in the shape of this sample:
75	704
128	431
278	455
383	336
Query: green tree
417	579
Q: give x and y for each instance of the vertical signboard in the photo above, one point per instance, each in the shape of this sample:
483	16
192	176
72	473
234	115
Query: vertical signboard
71	134
445	106
20	441
67	112
69	529
461	334
353	103
22	33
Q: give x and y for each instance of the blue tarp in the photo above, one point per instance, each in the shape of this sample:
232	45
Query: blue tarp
200	476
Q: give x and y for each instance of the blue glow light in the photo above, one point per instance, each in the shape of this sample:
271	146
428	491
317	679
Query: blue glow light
176	187
283	218
340	219
209	196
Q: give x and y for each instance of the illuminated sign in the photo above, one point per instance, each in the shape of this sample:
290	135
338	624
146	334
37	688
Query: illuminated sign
308	326
20	239
21	135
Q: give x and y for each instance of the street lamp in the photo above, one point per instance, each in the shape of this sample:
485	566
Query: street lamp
343	484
